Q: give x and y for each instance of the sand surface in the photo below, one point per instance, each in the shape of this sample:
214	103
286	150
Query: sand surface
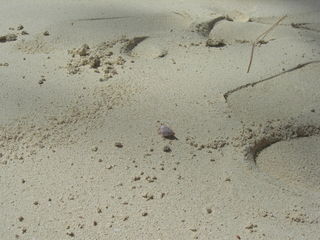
85	86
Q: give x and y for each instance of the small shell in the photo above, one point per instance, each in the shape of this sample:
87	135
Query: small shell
166	132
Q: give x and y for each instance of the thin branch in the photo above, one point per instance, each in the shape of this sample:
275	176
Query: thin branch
261	37
301	65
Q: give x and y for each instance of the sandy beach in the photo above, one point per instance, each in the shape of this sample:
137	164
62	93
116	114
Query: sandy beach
86	85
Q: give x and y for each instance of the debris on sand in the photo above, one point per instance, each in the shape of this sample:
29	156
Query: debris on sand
99	57
46	33
215	43
8	38
20	27
167	149
118	145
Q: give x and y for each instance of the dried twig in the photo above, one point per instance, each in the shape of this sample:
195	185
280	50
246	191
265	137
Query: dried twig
260	38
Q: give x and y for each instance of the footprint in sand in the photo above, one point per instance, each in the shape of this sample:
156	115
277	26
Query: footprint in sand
287	149
294	162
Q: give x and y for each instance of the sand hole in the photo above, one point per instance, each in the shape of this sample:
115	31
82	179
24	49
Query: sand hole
204	28
132	43
295	162
286	152
151	48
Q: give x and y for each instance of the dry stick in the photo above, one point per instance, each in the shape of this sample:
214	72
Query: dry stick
261	37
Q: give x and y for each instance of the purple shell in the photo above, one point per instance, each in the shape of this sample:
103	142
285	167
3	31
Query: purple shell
165	131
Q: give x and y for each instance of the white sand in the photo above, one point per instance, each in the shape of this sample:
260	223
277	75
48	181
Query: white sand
245	164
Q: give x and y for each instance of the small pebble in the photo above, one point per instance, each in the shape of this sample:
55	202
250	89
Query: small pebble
41	81
8	37
215	43
20	27
251	226
70	234
137	178
94	149
167	149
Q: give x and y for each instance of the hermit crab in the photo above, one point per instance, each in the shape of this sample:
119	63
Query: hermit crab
166	132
